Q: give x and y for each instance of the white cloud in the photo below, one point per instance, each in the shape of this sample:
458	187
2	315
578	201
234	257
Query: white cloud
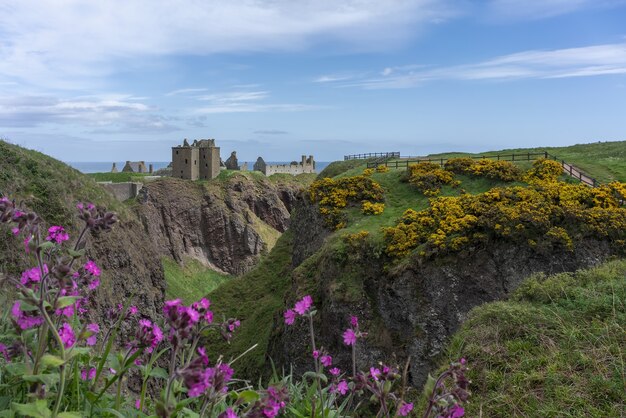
246	102
585	61
69	43
109	114
541	9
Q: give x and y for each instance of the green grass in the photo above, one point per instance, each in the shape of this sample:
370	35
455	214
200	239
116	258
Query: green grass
121	177
48	186
256	298
606	161
190	281
557	348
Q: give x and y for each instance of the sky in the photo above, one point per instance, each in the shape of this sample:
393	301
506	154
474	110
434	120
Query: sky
123	80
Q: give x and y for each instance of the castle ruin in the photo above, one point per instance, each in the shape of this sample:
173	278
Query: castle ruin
306	165
201	160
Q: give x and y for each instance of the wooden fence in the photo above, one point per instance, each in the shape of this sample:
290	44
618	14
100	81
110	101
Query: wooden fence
376	155
568	169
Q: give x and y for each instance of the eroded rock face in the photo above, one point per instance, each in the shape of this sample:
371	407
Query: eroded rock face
226	225
410	310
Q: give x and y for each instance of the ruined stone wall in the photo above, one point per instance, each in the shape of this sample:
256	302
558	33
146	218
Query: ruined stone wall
185	163
123	191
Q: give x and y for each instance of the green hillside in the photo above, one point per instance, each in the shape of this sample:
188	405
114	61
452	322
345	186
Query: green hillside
606	161
556	348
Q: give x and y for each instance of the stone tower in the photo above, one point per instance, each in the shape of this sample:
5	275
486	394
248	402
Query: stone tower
201	160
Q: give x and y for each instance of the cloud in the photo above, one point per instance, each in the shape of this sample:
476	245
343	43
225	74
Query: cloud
112	114
271	132
185	91
73	43
541	9
246	102
584	61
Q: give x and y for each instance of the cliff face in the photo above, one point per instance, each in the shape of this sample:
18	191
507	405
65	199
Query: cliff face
226	224
409	310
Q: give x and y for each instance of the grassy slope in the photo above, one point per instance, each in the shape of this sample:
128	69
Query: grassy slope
191	280
606	161
48	186
557	348
255	298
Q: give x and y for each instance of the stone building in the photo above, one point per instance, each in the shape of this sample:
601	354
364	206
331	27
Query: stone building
201	160
306	165
135	167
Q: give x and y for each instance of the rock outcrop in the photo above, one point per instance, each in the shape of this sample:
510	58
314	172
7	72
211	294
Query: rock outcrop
227	224
409	310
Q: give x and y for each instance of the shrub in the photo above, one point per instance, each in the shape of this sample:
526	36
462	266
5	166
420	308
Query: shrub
541	216
369	208
544	170
368	172
382	169
429	177
497	170
334	195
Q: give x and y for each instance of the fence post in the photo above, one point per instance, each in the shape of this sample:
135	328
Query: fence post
545	153
512	157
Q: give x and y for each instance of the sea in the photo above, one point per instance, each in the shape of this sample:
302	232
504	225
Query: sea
105	167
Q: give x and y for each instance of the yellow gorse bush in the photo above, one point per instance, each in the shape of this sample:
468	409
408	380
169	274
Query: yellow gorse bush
498	170
334	195
382	169
544	170
545	215
369	208
429	177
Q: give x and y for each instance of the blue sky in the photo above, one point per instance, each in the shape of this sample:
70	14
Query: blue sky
116	80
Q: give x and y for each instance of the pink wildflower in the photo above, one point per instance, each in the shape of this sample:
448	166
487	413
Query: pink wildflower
405	409
25	320
335	371
88	374
232	326
354	321
375	373
290	316
342	387
57	234
229	413
456	411
5	353
303	305
349	337
15	231
133	310
316	354
91	267
327	361
68	338
138	404
93	329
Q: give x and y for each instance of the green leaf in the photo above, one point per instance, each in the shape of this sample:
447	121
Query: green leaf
15	369
114	412
429	386
50	360
48	245
159	373
248	396
64	301
70	415
77	254
188	413
49	379
37	409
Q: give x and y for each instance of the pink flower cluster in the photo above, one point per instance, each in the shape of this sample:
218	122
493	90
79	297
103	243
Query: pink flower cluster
57	234
198	377
25	319
301	308
148	335
182	319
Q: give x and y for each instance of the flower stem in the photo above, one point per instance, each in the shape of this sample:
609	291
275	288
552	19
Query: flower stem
317	366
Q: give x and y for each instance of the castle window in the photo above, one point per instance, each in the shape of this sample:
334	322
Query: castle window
176	152
206	165
185	161
195	162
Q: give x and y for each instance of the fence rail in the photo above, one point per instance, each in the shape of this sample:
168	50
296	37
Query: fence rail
568	169
376	155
